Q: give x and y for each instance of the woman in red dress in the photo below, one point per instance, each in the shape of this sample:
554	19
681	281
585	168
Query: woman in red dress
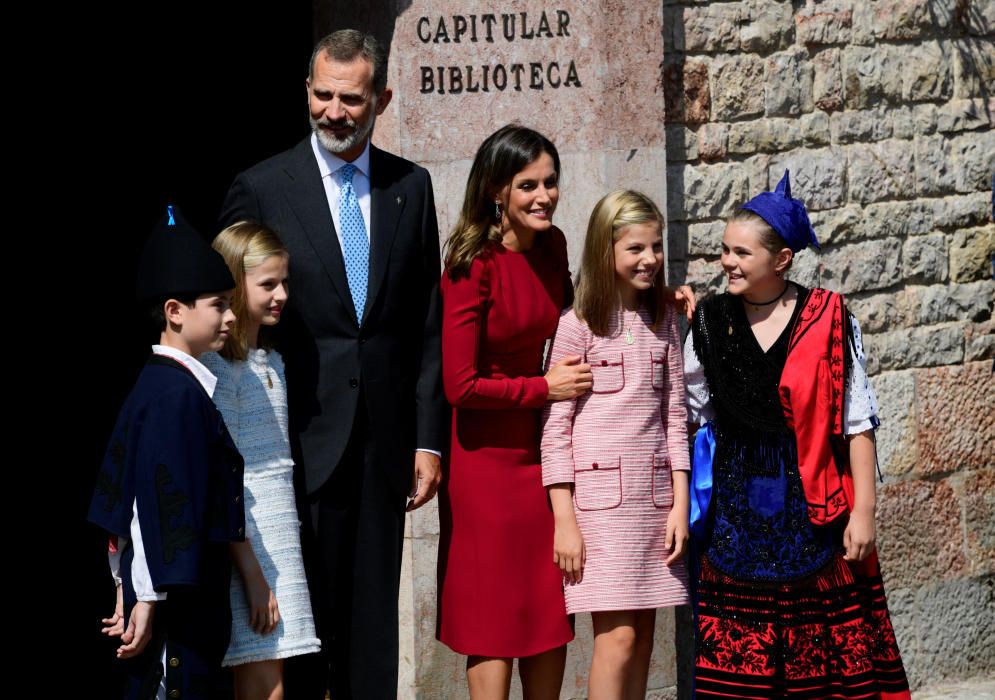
506	281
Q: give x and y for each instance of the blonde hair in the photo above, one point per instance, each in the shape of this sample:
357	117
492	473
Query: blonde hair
244	246
595	301
500	157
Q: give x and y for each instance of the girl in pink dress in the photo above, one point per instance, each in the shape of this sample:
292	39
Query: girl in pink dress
615	460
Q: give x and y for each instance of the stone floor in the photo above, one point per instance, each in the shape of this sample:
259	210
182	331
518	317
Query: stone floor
974	689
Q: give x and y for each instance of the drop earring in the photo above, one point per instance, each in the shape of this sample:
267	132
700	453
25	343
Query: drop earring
497	211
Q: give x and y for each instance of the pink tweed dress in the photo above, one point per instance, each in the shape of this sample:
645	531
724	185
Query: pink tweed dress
618	444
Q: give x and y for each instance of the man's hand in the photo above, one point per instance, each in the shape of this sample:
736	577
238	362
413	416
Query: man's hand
425	480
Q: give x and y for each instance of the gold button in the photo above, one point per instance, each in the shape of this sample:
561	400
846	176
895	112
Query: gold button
238	499
174	662
174	693
241	531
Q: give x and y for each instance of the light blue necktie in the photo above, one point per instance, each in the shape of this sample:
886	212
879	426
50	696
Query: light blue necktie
355	243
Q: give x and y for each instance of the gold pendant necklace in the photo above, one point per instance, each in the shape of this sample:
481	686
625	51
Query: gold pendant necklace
629	340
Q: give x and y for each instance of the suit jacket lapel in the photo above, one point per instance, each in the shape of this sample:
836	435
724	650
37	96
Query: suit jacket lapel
307	198
386	204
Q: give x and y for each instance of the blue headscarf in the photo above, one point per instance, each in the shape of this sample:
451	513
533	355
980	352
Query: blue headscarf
785	215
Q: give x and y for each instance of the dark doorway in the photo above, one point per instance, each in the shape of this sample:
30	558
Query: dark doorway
169	105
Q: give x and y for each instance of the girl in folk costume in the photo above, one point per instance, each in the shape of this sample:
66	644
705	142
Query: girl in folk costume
789	600
615	460
270	604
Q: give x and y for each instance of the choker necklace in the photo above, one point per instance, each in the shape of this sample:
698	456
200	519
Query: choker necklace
767	303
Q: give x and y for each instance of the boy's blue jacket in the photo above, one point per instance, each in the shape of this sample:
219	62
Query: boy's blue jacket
171	451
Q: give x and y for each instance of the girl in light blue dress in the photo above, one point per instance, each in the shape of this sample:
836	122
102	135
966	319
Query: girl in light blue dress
271	610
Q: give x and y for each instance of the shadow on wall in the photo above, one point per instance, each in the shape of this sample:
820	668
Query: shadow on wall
686	101
965	22
375	17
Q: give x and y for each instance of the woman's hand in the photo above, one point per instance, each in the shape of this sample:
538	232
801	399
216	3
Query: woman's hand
683	299
859	536
676	540
569	378
264	613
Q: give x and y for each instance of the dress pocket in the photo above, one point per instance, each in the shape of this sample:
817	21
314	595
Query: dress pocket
663	489
598	484
658	363
608	371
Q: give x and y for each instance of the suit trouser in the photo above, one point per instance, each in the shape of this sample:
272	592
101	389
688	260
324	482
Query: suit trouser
358	523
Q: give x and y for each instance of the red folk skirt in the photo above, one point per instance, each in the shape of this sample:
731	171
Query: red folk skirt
826	636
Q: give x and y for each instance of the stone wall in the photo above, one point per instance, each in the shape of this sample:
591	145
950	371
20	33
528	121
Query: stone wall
883	112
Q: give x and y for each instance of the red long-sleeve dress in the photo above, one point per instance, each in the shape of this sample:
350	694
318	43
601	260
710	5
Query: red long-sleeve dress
499	592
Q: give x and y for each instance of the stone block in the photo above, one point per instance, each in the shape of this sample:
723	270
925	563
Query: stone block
767	26
737	86
961	211
914	347
713	141
980	18
904	618
709	28
934	166
705	276
979	520
979	341
686	93
924	259
927	72
974	159
871	76
925	116
959	638
862	25
901	219
901	19
882	312
817	175
920	539
767	135
815	129
682	143
824	23
970	253
861	126
806	268
964	115
757	168
706	238
955	418
955	302
882	170
902	122
898	451
827	82
974	68
835	226
789	83
862	267
704	191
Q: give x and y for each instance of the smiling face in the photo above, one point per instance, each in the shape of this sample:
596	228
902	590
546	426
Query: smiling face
638	259
750	267
529	201
343	107
266	292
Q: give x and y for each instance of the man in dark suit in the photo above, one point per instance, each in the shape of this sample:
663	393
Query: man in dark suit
360	338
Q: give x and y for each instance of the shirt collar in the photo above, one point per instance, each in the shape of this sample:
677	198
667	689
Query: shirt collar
329	163
201	373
